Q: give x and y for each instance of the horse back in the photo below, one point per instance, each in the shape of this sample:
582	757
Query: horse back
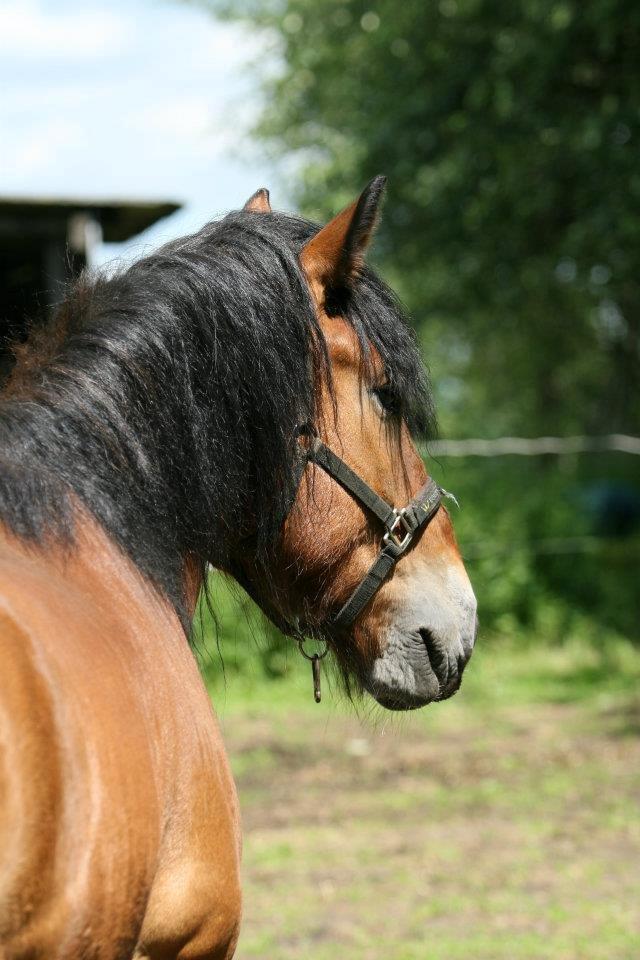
118	823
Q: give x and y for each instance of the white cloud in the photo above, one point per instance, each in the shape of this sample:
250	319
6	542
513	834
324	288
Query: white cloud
30	31
18	103
179	116
122	99
39	149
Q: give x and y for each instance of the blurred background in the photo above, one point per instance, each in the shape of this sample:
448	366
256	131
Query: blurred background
503	824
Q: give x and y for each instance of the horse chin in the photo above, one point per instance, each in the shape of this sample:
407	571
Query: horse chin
401	705
413	671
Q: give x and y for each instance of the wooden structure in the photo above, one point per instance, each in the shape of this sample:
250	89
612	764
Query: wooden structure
45	242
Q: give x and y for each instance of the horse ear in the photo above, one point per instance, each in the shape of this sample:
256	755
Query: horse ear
258	202
335	255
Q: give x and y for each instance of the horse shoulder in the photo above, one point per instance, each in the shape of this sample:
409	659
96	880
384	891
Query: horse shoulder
116	749
30	786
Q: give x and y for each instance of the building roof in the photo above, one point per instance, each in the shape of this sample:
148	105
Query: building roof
44	216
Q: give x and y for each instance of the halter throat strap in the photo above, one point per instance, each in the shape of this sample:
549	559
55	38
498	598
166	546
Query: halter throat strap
401	525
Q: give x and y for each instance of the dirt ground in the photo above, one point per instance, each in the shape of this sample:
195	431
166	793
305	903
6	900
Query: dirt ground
469	830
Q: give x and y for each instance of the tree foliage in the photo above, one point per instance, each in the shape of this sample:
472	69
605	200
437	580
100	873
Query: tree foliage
509	133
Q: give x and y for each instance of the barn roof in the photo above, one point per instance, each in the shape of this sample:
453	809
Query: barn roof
44	216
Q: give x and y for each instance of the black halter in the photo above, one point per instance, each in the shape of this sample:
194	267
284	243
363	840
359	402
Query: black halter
401	525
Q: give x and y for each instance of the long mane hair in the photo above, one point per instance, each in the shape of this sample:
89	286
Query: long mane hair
165	399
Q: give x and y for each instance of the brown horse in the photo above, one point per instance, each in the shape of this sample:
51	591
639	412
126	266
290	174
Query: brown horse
174	416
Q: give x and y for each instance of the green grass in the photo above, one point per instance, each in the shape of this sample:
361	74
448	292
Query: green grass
501	824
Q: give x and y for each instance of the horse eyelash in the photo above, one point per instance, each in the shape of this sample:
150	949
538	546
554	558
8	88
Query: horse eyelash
388	398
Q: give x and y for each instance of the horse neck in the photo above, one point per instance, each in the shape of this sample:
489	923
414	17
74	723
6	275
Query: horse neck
78	436
193	581
152	402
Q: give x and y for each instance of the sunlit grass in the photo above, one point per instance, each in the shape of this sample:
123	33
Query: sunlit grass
501	824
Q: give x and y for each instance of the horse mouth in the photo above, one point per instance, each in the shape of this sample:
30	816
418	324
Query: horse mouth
442	672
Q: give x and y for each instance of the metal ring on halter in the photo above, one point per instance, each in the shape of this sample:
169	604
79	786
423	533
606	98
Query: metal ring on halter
312	656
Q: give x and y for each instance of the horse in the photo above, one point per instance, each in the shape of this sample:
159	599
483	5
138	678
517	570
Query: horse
246	398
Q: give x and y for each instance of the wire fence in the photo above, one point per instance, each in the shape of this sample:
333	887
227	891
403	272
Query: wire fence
534	446
537	446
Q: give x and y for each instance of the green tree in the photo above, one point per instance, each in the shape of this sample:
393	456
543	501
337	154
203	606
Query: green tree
509	132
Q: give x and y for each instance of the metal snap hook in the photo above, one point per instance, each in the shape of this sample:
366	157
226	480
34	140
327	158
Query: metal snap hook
315	659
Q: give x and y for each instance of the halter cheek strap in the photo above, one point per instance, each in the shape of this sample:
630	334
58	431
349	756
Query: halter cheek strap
401	525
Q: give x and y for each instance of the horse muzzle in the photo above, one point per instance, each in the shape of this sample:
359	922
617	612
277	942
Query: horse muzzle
423	664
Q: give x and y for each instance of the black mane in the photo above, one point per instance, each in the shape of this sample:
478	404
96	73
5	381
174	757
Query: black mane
166	398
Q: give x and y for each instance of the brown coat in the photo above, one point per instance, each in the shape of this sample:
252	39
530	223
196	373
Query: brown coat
119	827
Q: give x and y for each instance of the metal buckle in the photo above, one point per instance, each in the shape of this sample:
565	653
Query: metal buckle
393	533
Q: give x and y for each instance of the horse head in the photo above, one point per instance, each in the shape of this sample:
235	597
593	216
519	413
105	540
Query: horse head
404	629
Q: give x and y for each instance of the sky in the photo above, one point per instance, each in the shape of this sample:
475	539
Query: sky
146	99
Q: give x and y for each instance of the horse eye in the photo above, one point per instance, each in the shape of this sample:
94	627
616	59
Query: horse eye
387	398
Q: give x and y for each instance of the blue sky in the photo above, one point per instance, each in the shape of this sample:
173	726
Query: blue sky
128	100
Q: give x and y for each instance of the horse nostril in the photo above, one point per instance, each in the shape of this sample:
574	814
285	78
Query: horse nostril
437	656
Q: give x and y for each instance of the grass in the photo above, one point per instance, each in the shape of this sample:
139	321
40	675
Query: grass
501	824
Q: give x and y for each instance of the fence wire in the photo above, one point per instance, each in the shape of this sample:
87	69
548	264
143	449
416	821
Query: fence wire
534	446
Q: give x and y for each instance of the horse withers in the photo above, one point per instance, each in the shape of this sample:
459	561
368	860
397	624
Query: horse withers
244	398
